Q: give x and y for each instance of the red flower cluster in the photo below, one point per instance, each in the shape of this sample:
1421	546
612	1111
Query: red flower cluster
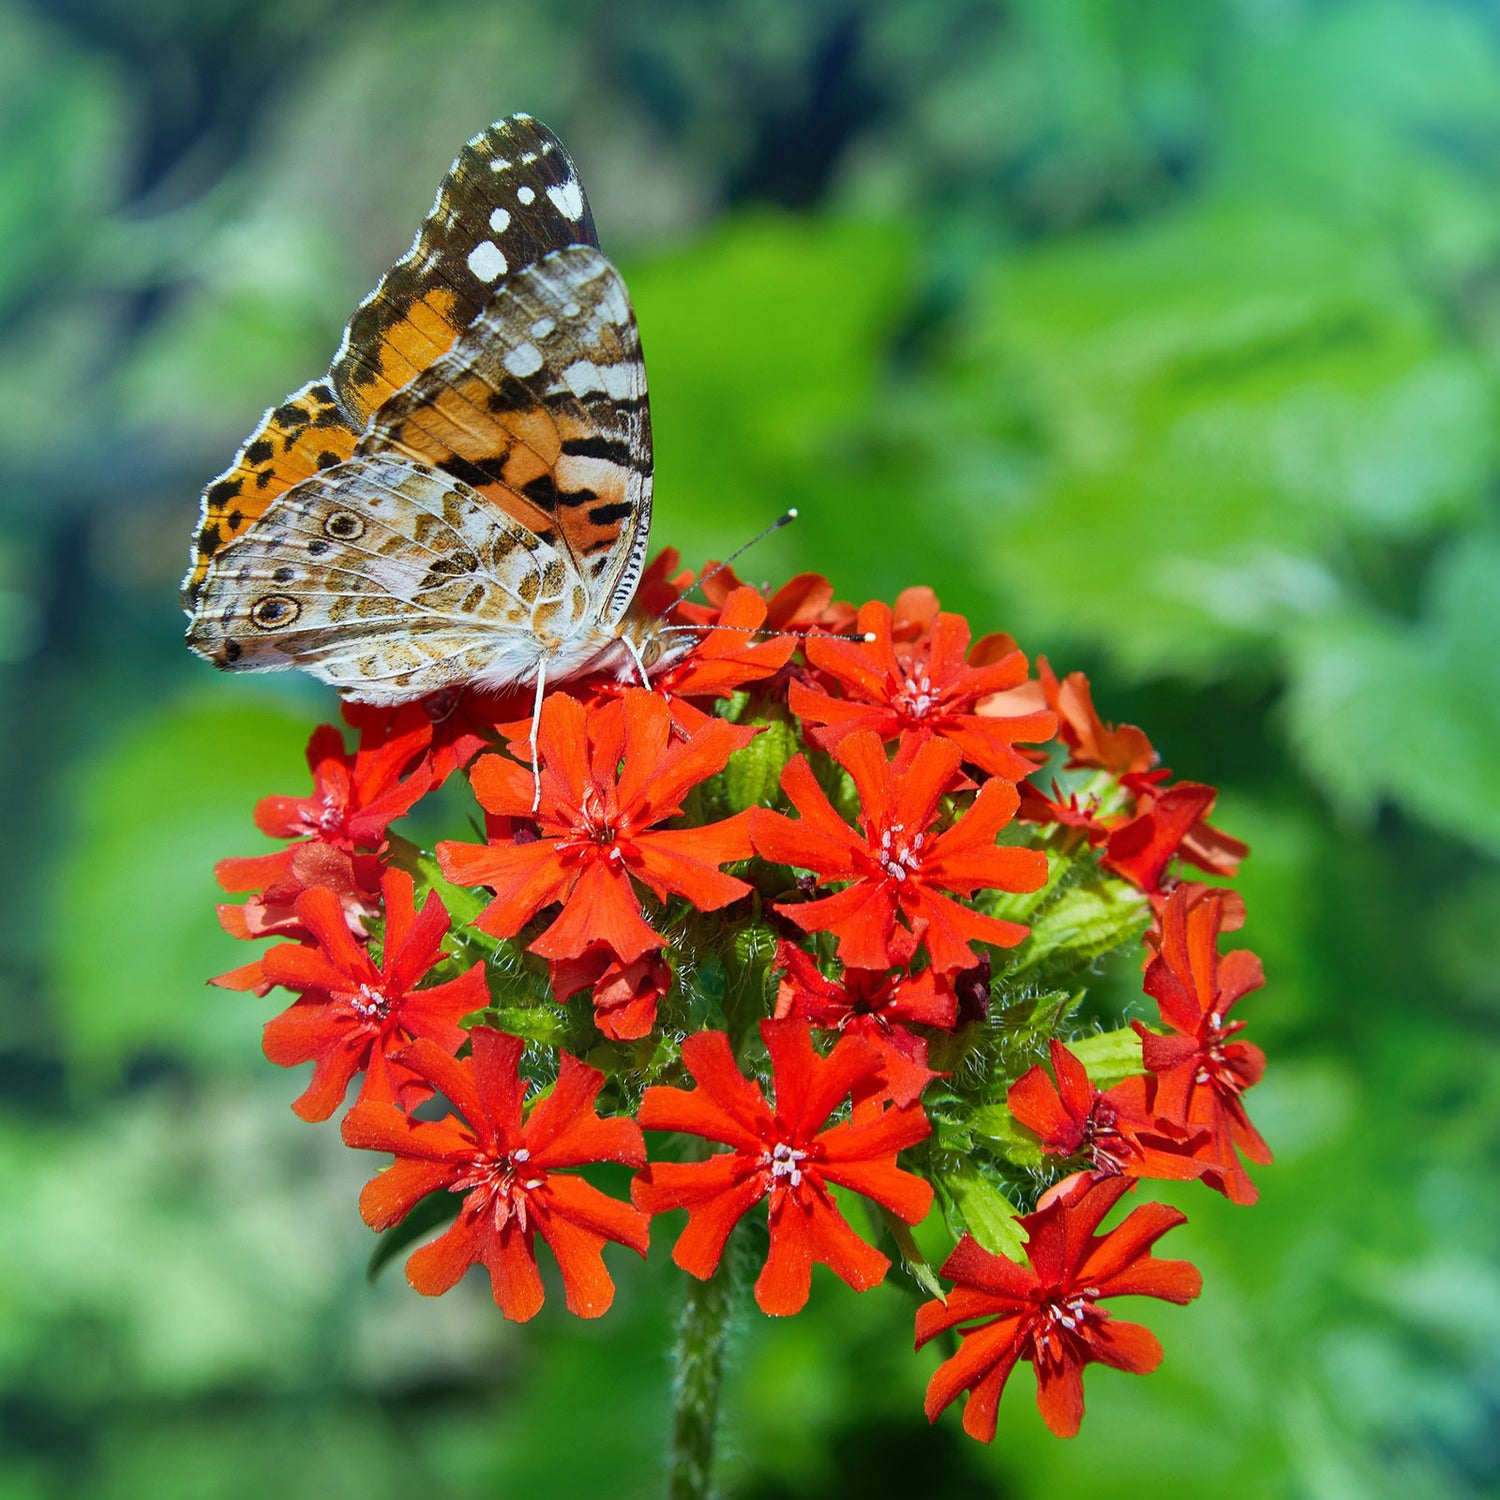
1139	821
791	878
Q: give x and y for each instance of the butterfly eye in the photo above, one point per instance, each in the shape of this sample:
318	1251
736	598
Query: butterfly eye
344	526
274	611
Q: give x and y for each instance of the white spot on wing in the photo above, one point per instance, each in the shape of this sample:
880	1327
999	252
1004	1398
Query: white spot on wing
523	360
525	194
567	198
584	378
499	164
570	310
486	261
542	328
500	220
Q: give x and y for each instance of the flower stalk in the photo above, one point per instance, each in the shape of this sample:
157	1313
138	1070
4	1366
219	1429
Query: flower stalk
698	1358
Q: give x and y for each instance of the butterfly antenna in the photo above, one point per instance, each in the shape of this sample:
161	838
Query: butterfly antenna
867	636
782	520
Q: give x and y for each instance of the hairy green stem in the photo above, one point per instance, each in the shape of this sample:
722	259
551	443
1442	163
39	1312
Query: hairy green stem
698	1359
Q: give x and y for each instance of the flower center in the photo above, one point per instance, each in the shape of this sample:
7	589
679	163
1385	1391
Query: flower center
785	1163
369	1003
1106	1146
597	835
1214	1066
328	816
1058	1321
506	1181
915	697
899	855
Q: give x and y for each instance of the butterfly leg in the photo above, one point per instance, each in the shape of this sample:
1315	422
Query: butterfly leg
536	720
635	651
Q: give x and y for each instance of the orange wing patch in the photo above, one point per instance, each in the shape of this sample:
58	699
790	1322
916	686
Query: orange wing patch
541	408
295	440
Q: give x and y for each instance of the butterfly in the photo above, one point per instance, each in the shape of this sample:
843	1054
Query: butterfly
465	498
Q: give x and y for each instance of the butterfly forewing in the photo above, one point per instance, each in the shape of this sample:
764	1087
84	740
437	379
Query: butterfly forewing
511	197
541	407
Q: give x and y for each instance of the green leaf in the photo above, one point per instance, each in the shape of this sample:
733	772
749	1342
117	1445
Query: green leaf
1087	920
1381	709
986	1212
1109	1056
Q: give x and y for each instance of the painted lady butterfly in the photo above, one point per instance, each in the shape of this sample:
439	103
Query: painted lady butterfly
466	497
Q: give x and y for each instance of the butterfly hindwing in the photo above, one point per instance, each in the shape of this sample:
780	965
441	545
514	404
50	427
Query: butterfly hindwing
511	197
388	579
541	407
305	433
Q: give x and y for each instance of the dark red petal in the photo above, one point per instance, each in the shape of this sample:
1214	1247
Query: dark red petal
564	1131
726	1106
709	1224
587	1286
1124	1346
602	908
972	1265
451	1078
809	1088
837	1246
571	1198
786	1278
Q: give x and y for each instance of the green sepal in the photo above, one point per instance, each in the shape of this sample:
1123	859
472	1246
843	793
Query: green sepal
1090	918
753	776
996	1124
546	1025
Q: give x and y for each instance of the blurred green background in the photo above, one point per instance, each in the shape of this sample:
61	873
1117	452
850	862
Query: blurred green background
1162	333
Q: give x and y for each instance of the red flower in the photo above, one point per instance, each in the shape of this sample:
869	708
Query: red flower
1115	1127
509	1173
1069	810
879	1005
625	995
1122	751
597	828
1168	821
460	723
1049	1313
355	798
782	1154
1200	1073
917	691
353	1015
898	863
